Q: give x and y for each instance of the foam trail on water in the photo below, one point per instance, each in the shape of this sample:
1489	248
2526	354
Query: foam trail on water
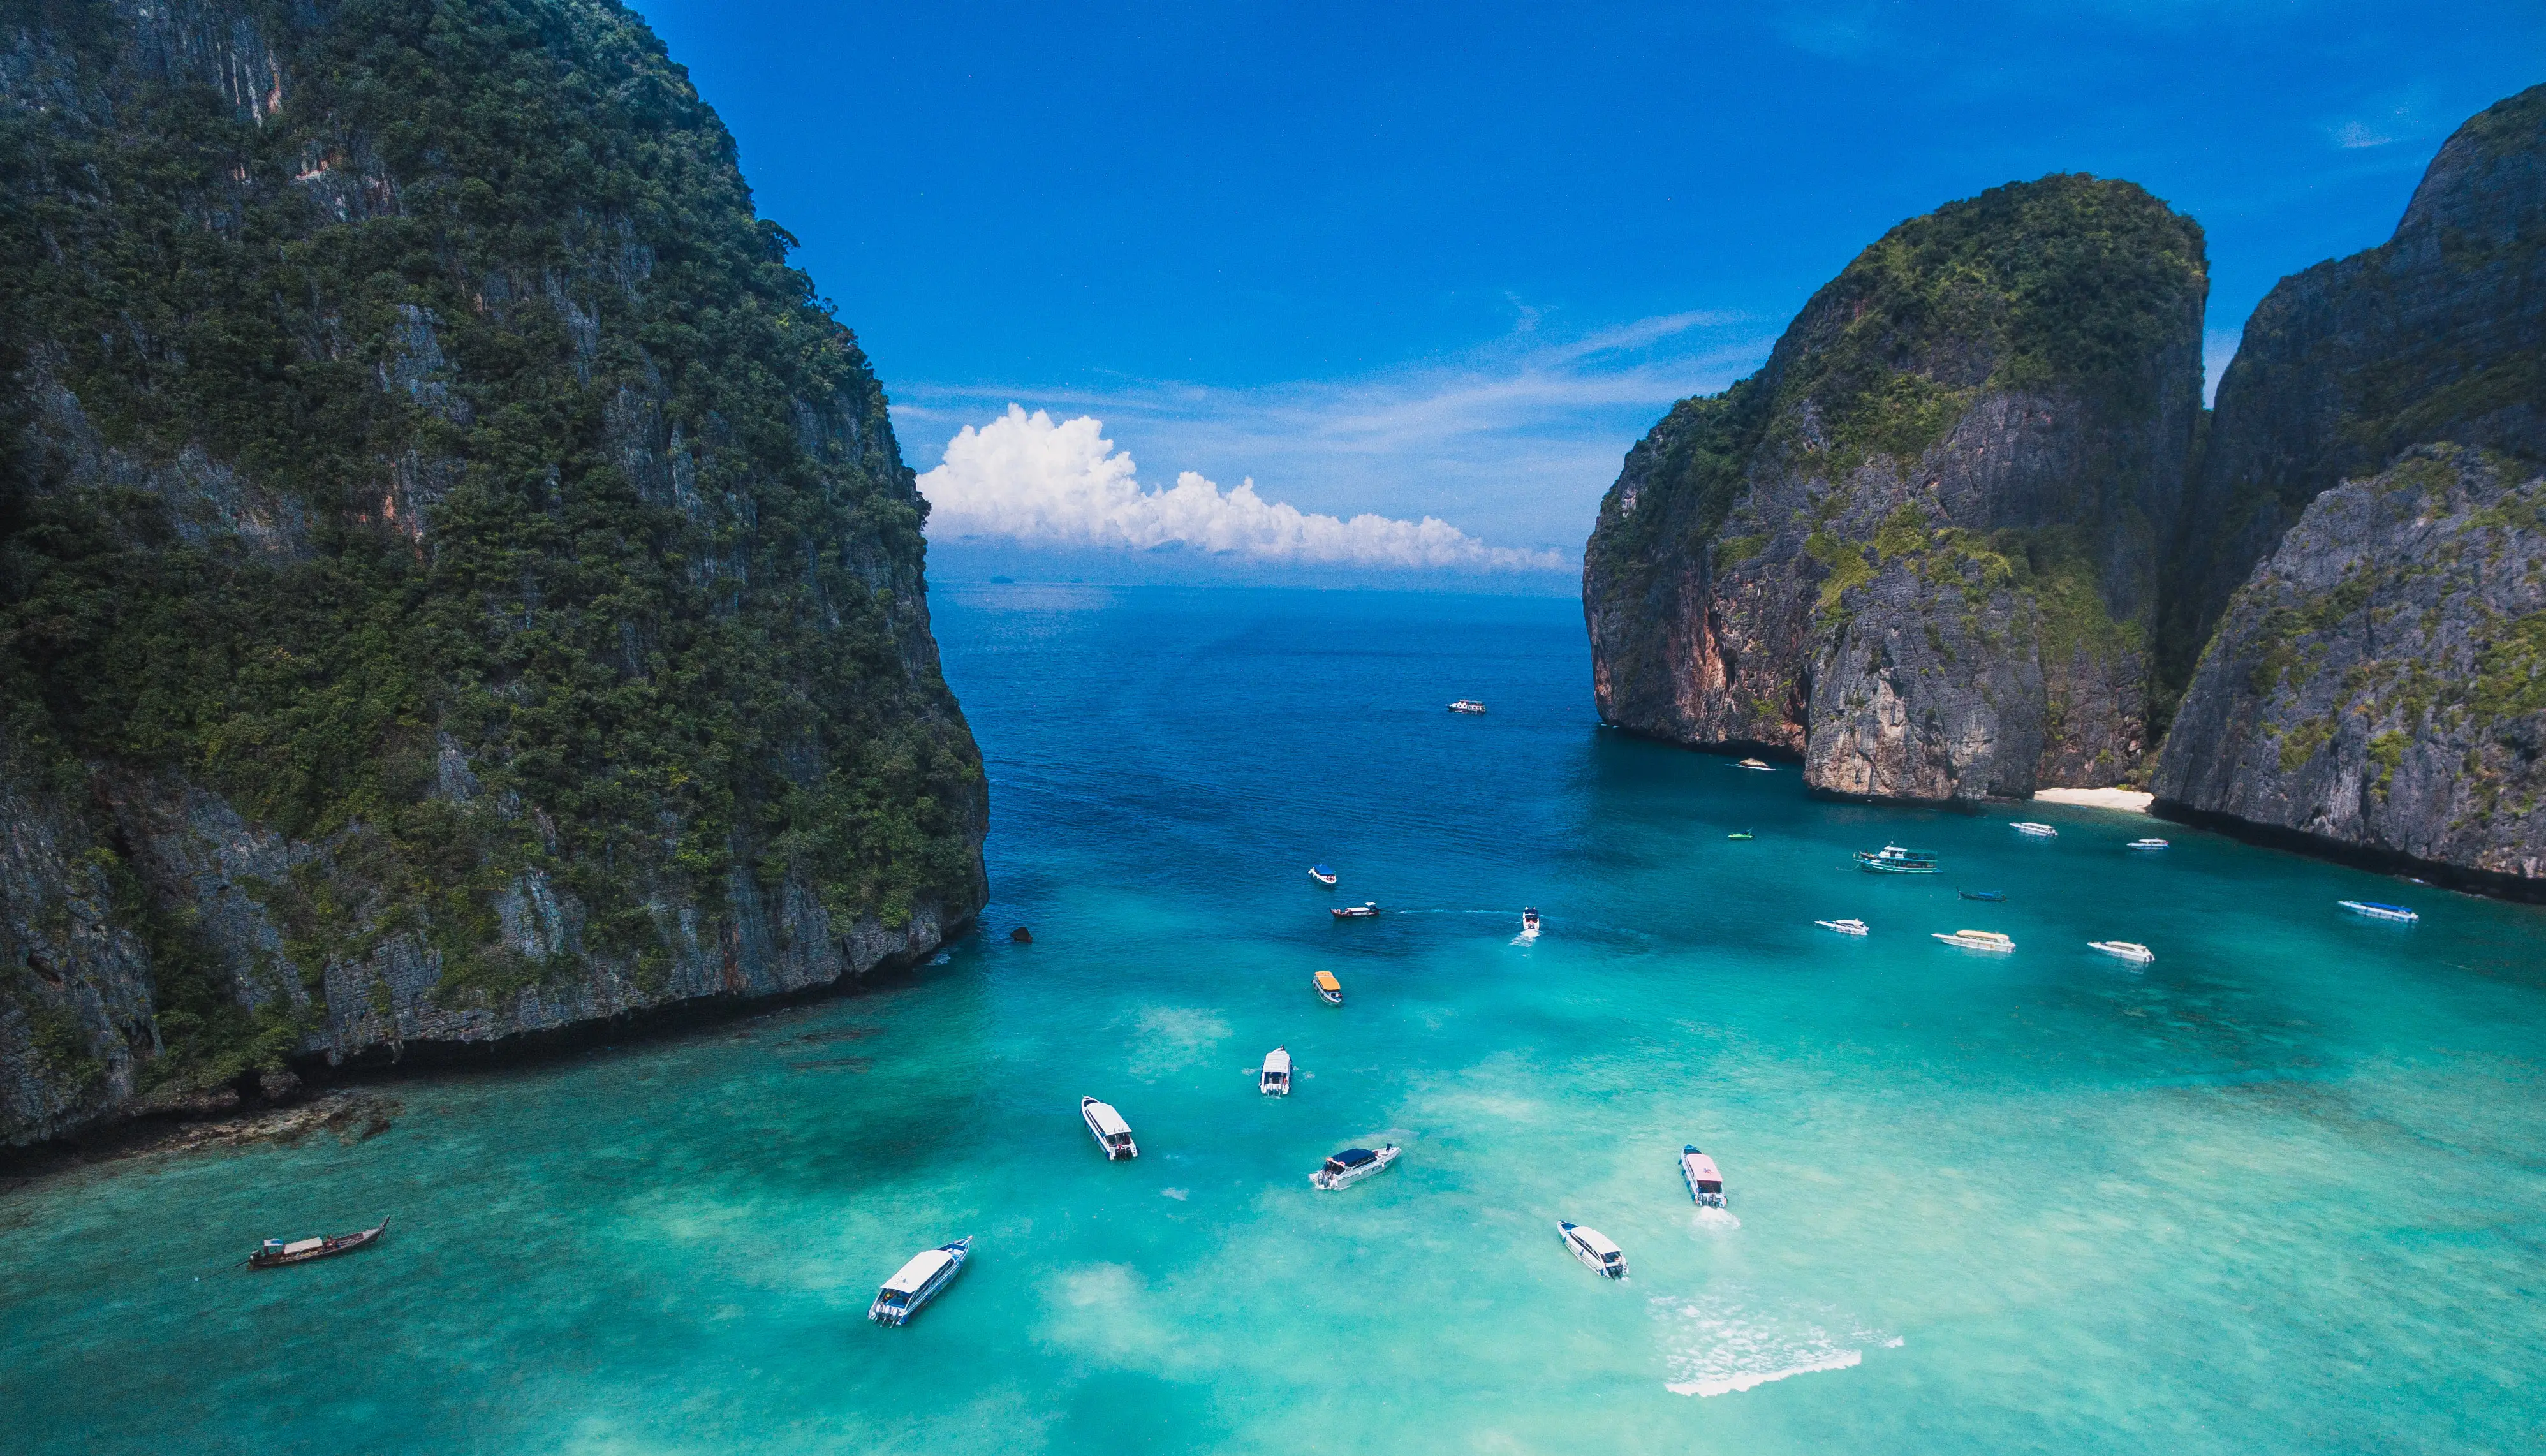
1716	1220
1717	1344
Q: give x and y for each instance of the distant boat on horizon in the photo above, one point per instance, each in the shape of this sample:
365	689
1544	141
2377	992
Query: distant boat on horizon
2147	844
1467	705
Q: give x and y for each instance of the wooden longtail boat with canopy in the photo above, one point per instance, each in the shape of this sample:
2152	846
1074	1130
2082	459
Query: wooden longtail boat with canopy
277	1252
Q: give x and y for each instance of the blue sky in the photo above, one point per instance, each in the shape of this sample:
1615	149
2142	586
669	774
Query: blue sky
1451	261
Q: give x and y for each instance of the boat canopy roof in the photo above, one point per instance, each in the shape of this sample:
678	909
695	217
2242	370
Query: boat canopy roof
1107	1120
1701	1167
921	1268
2371	904
1326	980
1352	1157
303	1245
1319	870
1278	1059
1594	1240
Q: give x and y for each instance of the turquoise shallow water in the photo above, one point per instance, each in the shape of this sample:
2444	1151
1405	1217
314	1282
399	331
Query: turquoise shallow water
2280	1192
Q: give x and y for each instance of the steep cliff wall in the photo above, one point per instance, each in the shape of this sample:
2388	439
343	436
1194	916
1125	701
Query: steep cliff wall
455	579
1920	547
2439	334
2379	684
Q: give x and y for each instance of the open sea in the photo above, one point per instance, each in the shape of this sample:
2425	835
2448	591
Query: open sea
2282	1191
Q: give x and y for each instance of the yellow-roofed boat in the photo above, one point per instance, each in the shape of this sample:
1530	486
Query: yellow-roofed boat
1330	990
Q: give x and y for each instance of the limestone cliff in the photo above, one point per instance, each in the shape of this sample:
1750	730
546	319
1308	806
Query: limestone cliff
1920	547
455	578
2437	334
2380	683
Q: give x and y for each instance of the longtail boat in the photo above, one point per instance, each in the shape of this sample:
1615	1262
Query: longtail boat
275	1253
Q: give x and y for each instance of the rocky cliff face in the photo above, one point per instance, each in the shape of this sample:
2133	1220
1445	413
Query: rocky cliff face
1920	547
455	581
2380	683
2374	686
2439	334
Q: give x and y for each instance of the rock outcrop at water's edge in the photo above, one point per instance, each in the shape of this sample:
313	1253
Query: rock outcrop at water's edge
2379	684
2439	334
455	579
1920	547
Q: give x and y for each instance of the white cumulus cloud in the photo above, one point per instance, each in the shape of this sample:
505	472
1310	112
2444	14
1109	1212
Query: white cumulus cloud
1030	478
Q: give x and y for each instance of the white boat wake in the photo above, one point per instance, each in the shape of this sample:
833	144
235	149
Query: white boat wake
1715	1220
1716	1345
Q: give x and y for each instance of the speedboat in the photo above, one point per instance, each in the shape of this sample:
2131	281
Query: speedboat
1528	921
1594	1250
1361	911
1849	927
2146	844
1352	1165
1892	859
1330	990
1976	940
1992	895
2128	950
1108	1127
2377	911
922	1279
1705	1185
1467	705
1321	874
1741	834
1275	1079
2038	832
1756	766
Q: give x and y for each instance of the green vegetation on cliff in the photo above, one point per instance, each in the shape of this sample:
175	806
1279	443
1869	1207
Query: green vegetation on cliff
430	319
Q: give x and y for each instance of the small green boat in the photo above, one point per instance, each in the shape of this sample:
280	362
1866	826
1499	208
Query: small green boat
1740	834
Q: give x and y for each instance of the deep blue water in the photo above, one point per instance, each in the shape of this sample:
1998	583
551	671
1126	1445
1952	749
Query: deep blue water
2279	1191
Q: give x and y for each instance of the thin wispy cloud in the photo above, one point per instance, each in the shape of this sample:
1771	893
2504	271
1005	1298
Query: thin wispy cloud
1512	443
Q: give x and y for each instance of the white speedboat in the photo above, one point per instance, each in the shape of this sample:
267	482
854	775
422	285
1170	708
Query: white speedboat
1108	1127
1756	766
922	1279
1976	940
1594	1250
1352	1165
1528	921
2147	844
1321	875
1705	1185
1330	990
2128	950
2376	911
1892	859
1275	1079
1850	927
1467	705
2038	832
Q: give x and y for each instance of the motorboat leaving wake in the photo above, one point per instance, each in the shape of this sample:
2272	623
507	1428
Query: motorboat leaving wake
1352	1165
1705	1185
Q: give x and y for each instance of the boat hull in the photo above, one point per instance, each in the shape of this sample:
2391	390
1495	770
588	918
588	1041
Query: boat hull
1328	1182
1705	1182
895	1316
328	1249
1586	1257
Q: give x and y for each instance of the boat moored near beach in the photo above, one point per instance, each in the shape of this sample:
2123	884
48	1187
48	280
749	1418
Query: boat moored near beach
917	1283
1321	875
2147	844
1330	990
1361	911
1594	1250
1892	859
2376	911
1705	1185
1756	766
2038	832
1352	1165
1275	1079
1110	1131
274	1254
1976	940
1848	926
2128	950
